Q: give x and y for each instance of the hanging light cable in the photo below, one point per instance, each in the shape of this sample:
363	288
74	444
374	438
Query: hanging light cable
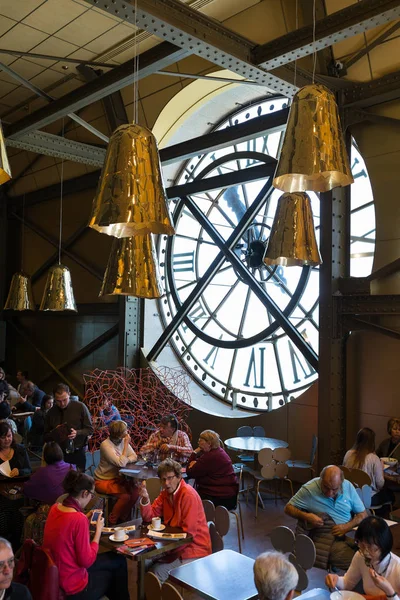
20	296
58	293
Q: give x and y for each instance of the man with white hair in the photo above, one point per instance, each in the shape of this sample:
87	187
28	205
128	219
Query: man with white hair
8	589
275	577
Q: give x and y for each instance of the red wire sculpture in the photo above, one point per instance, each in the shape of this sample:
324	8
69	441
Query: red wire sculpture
141	397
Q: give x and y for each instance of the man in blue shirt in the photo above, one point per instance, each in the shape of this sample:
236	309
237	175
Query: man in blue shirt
329	496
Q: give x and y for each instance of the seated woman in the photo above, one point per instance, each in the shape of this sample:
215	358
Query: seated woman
374	563
362	456
115	453
36	432
391	446
11	520
46	484
212	470
84	575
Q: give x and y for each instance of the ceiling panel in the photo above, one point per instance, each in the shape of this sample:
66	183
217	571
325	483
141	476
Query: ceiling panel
18	9
86	28
5	23
54	14
20	94
111	38
55	47
22	37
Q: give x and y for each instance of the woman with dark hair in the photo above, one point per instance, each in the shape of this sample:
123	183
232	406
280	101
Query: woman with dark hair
46	484
362	456
84	575
212	470
374	563
116	452
11	520
391	445
36	433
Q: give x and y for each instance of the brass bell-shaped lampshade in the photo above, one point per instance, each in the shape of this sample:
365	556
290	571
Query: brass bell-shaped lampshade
58	294
5	170
132	269
313	155
20	295
130	198
292	240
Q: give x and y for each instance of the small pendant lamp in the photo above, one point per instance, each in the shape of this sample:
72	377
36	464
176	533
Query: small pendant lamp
5	170
130	198
313	155
292	241
20	296
132	269
58	294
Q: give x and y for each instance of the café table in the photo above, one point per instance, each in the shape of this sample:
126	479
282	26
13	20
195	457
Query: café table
254	444
225	575
139	470
161	547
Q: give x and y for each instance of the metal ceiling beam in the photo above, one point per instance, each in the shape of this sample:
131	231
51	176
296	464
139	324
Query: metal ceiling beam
377	91
57	58
152	60
357	18
180	24
55	145
52	145
50	99
367	48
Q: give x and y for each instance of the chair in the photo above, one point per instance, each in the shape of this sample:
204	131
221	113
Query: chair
244	431
37	570
152	586
301	551
153	485
222	520
273	468
365	494
217	543
209	510
258	431
357	477
300	464
169	592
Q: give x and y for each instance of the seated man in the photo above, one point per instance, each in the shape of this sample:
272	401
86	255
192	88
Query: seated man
32	393
8	589
109	412
168	441
274	576
179	505
325	507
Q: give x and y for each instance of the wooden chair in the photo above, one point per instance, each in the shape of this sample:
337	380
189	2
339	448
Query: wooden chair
153	485
273	468
217	543
357	477
300	464
169	592
152	586
209	510
301	551
222	520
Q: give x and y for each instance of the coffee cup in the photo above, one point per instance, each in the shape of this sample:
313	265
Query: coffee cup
156	523
119	533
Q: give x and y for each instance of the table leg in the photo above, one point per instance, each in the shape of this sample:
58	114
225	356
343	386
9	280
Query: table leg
140	579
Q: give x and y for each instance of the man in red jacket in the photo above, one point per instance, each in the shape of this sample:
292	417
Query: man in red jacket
180	506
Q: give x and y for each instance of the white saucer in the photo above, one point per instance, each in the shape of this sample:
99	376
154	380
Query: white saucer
158	529
112	538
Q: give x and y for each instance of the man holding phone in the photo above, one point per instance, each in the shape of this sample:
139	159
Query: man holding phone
69	424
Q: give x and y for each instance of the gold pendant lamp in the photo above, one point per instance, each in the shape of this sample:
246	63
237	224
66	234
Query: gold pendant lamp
292	241
58	294
20	296
132	269
130	198
5	170
313	155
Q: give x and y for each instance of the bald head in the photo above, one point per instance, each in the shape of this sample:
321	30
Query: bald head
331	481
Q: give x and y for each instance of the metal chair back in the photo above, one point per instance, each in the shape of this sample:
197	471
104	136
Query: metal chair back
265	457
217	543
244	431
281	455
209	510
222	520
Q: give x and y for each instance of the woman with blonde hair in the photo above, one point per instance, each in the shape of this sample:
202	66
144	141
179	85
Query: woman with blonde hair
115	453
212	470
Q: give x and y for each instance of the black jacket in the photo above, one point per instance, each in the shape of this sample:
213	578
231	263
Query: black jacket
16	591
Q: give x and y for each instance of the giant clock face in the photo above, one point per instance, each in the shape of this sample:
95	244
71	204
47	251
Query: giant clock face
230	342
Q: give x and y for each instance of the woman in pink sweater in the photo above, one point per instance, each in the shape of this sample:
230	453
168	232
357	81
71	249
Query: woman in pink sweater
83	574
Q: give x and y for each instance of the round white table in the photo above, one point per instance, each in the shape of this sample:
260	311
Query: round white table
254	444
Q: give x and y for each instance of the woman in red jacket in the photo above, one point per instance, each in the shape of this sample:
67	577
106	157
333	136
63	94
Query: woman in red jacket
212	470
83	574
